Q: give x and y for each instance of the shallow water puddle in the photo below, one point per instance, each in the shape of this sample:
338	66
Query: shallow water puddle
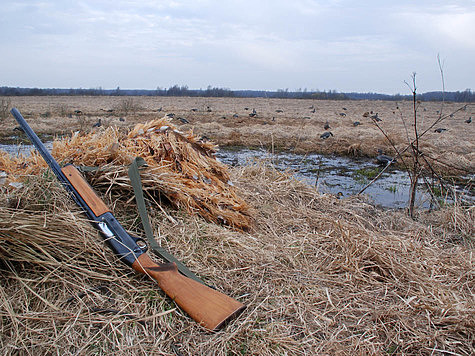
331	174
337	175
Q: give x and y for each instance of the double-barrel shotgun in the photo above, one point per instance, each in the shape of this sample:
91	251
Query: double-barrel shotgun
205	305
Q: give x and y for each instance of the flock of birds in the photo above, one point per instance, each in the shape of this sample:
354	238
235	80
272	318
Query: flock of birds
381	158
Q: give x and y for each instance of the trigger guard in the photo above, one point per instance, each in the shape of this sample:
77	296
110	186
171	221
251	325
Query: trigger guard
140	243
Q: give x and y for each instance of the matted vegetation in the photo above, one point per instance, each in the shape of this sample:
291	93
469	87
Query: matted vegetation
319	276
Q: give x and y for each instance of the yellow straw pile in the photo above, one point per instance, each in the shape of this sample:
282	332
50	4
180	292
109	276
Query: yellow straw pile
180	168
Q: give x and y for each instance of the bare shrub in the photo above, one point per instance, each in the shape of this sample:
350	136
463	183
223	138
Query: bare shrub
4	108
128	106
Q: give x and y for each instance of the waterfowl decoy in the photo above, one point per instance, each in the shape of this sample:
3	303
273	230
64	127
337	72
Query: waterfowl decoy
326	135
384	160
182	120
98	123
375	117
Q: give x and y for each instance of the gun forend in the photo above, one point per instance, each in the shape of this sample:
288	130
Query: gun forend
89	196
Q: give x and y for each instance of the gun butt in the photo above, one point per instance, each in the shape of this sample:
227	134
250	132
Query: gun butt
205	305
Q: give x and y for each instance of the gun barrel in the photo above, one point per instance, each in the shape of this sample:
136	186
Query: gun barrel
38	144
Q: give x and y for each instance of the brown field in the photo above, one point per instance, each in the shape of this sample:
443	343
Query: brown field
319	275
296	128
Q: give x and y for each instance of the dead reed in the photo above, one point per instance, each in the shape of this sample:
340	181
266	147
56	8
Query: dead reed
319	276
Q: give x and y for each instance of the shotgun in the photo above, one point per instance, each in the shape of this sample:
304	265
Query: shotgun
205	305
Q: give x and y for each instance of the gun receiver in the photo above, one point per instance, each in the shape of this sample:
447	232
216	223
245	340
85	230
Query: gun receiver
205	305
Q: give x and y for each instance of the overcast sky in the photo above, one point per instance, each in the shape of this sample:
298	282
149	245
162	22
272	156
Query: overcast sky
363	46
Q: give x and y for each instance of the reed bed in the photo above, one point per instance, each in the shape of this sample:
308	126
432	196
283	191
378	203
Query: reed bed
319	275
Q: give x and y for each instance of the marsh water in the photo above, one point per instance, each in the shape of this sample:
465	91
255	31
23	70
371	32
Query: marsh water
330	174
339	175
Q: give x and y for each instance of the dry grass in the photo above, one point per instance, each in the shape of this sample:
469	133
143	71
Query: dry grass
319	276
296	128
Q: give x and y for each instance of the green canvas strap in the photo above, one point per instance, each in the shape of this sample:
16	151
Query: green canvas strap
134	175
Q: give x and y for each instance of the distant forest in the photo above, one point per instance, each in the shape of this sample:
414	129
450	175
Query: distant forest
176	90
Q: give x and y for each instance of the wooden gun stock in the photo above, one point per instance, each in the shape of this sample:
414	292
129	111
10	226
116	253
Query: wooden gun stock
206	306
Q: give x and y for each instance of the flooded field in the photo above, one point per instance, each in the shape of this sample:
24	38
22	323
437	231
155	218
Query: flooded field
341	164
341	176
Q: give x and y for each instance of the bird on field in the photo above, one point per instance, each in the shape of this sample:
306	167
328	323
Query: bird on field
182	120
235	116
19	128
342	114
384	160
366	114
121	119
78	112
171	115
98	123
313	111
279	110
326	126
375	117
469	120
440	130
356	123
326	135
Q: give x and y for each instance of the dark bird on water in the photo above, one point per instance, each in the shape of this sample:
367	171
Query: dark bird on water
440	130
384	160
326	126
326	135
98	123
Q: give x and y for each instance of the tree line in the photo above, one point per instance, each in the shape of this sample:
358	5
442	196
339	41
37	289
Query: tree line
183	90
